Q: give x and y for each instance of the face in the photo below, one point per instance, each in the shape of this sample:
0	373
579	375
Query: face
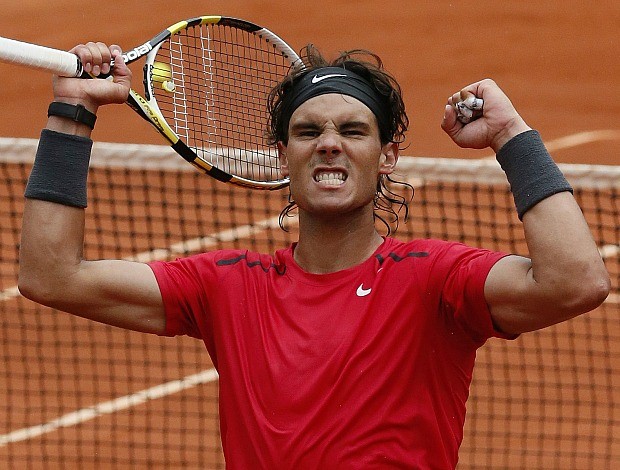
334	155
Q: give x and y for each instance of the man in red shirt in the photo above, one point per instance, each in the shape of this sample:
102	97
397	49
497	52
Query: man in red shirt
347	349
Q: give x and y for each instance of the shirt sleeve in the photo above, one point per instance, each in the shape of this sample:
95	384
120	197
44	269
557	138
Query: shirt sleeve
463	291
181	283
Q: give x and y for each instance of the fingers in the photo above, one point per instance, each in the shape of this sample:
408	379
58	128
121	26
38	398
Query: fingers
464	107
120	71
484	99
472	102
450	120
467	105
102	61
95	57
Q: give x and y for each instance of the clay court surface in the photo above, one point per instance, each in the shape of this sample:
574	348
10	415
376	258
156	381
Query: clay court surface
558	61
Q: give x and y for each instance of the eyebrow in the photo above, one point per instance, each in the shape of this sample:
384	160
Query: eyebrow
355	124
304	125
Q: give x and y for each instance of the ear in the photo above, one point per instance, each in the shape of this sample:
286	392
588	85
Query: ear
389	158
283	159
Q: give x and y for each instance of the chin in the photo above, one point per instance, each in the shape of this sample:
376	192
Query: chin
337	208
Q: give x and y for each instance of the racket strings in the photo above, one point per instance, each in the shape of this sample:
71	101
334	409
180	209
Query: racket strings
221	78
180	108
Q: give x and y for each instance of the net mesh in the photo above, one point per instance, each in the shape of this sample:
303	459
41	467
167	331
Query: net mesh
77	394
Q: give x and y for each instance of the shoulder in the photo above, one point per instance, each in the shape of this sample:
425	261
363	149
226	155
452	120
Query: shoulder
224	261
417	248
432	247
252	261
438	255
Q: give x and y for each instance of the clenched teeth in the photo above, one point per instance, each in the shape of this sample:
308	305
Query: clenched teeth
333	178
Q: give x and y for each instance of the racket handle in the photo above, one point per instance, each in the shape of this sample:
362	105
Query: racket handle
62	63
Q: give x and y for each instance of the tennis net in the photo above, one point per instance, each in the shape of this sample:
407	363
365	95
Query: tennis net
77	394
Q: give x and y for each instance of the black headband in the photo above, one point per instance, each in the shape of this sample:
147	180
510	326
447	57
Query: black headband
335	80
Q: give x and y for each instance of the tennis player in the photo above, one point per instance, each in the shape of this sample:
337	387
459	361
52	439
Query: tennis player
348	349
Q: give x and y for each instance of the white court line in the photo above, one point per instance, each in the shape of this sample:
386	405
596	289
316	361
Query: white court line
609	251
580	138
9	293
613	299
109	407
200	243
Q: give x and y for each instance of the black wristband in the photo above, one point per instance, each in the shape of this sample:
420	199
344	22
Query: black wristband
60	169
76	112
531	172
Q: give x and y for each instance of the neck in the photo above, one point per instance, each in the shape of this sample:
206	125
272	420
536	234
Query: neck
332	244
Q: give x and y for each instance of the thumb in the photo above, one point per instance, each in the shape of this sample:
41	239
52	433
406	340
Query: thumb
121	74
450	123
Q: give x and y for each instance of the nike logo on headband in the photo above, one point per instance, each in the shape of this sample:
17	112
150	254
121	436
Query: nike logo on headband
317	79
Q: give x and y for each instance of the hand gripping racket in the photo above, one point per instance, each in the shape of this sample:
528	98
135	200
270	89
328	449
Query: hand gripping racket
206	82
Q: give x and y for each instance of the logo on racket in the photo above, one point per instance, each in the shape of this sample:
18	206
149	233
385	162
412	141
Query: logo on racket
137	52
317	79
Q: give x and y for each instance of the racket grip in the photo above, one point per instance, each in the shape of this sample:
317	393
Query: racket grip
58	62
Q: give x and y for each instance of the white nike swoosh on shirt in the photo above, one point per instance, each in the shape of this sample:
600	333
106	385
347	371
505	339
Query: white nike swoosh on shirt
317	79
361	292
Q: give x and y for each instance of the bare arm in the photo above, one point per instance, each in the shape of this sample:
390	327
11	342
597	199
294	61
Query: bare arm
52	270
565	275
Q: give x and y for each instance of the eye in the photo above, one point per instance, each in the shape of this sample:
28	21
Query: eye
353	132
310	133
354	129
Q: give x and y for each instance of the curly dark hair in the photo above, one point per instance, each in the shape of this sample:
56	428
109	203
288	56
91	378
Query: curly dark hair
370	67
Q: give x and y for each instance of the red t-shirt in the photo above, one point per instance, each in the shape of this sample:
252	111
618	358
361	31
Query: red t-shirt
368	367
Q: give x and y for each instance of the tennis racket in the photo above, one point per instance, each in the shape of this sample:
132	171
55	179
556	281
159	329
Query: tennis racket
206	82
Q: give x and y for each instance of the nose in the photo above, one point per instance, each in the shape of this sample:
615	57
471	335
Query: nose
329	144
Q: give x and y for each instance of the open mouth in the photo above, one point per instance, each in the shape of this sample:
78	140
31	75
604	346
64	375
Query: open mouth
330	178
